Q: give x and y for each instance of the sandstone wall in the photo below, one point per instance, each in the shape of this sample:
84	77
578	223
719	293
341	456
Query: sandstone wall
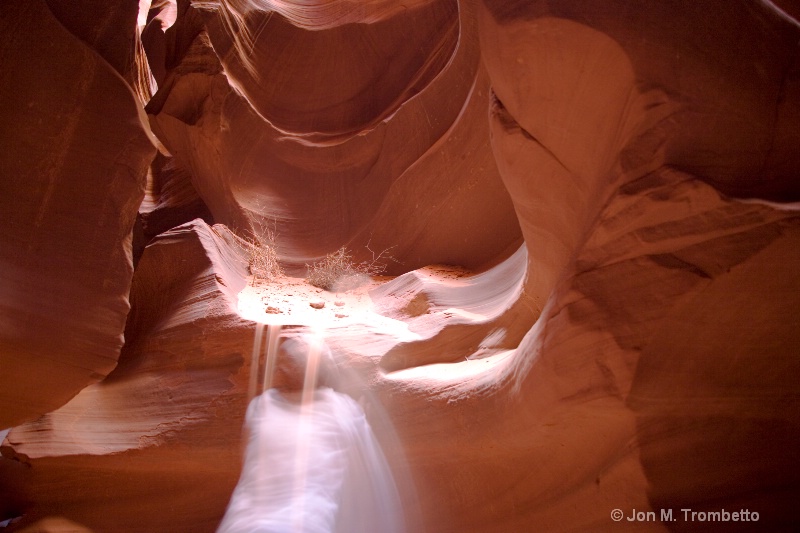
622	181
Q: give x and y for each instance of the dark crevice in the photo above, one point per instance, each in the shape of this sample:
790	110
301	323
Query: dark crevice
499	111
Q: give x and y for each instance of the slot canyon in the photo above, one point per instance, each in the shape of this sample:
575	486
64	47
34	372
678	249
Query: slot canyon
580	222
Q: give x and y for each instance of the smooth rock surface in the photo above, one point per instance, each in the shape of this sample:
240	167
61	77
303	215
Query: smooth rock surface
174	390
621	185
319	186
73	165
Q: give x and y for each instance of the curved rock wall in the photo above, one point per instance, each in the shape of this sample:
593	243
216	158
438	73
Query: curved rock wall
639	351
320	186
166	416
73	165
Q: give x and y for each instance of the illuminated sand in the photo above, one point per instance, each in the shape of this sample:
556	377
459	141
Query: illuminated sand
403	317
360	325
288	300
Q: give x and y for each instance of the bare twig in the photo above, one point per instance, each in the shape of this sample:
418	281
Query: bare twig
338	272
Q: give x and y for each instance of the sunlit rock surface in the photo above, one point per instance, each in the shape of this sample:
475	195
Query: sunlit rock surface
638	351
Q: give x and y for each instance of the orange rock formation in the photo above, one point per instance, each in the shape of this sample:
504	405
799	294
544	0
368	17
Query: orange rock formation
618	184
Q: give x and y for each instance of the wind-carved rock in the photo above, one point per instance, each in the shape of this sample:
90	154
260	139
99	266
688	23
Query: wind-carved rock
176	391
329	151
73	165
638	352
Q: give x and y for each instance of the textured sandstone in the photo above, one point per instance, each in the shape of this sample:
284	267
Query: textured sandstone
320	186
108	27
73	164
165	417
639	350
170	199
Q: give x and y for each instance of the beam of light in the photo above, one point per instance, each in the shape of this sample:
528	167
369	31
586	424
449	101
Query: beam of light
312	462
255	362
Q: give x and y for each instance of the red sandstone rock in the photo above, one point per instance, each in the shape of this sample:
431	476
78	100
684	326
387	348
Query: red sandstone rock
159	19
327	178
73	165
108	27
158	419
640	351
55	525
170	199
626	255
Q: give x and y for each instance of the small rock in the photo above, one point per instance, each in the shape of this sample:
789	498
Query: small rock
341	315
272	310
317	305
338	303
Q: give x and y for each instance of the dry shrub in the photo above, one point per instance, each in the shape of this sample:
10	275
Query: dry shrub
338	272
262	257
263	260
